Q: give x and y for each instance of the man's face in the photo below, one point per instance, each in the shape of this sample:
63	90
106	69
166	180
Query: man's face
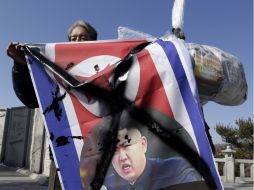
129	159
79	34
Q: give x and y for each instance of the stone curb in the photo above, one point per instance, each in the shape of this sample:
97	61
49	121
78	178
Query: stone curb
40	178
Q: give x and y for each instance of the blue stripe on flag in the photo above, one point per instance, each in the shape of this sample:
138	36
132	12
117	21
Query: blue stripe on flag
191	106
67	158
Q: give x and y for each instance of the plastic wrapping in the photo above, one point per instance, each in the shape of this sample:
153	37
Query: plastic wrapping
220	76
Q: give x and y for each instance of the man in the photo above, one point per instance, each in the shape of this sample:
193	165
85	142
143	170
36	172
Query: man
22	84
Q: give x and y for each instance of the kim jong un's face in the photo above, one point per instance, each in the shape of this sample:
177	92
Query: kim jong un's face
129	159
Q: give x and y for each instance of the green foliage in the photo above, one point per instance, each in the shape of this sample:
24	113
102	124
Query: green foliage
241	137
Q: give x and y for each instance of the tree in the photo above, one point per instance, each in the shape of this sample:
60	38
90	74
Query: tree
240	137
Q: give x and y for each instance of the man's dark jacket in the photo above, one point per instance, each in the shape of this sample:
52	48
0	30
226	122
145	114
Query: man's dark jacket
23	86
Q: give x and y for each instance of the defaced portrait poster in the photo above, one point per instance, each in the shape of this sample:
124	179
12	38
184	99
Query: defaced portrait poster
123	115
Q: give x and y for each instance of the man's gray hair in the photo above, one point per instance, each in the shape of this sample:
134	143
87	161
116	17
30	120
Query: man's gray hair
91	31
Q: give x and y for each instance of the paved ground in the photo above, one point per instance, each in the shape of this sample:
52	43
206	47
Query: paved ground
18	179
233	186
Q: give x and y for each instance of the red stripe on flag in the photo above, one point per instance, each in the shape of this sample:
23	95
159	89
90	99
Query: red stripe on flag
151	93
85	118
77	52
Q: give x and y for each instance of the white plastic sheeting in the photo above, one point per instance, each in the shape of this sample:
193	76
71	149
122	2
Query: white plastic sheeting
220	76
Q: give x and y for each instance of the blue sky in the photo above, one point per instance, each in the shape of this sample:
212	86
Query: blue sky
225	24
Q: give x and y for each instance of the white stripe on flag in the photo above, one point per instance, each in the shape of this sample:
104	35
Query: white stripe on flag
187	65
73	122
171	87
133	80
69	109
50	51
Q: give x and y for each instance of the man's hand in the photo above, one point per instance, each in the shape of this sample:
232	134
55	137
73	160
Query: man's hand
14	51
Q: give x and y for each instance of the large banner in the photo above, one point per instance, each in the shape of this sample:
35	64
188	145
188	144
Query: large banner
123	115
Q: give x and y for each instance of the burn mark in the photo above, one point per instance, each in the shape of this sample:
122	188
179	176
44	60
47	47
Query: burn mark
100	145
127	138
55	104
52	136
96	68
156	127
78	137
62	141
70	65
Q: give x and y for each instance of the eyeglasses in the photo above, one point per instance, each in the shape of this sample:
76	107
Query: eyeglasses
80	38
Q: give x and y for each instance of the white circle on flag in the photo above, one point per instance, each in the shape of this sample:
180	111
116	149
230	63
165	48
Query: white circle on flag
86	68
